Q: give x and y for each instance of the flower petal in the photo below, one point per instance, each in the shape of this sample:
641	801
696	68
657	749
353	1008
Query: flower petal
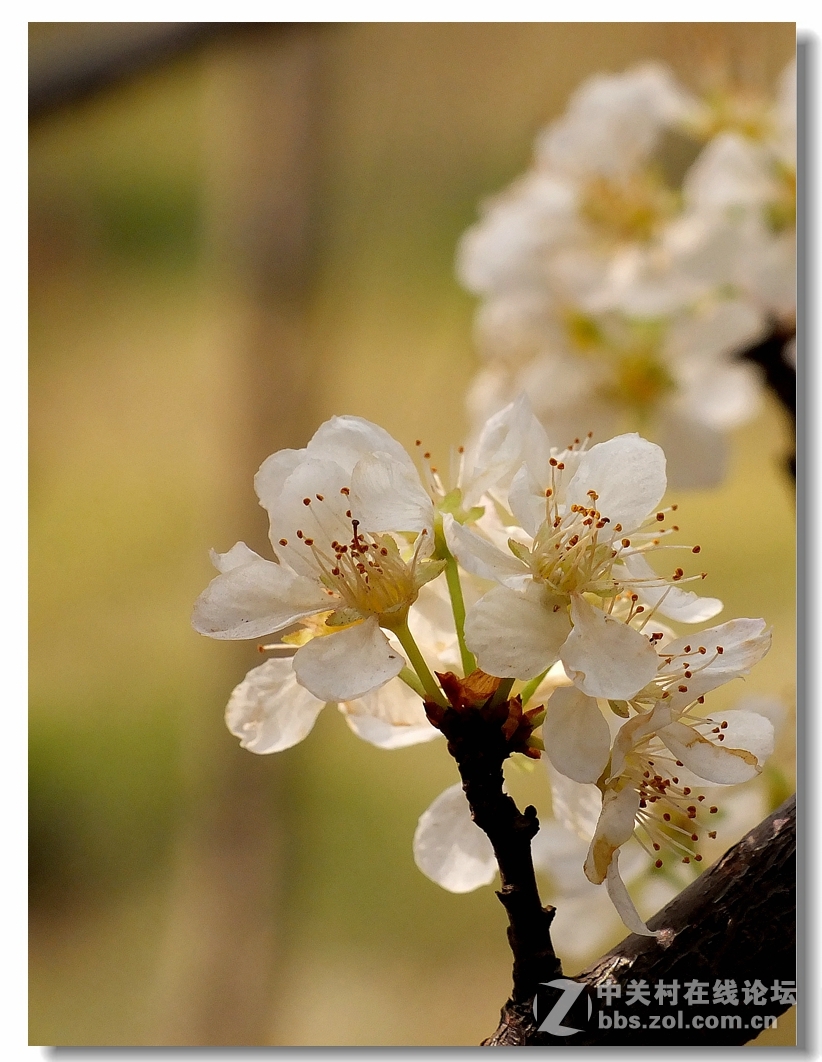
346	440
503	442
390	717
386	495
449	847
628	475
744	642
348	663
676	604
577	738
254	598
615	827
480	557
748	741
269	711
237	555
516	634
621	899
605	657
272	474
575	805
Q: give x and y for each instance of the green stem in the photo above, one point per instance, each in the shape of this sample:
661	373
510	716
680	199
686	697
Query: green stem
530	688
415	658
501	696
411	680
452	577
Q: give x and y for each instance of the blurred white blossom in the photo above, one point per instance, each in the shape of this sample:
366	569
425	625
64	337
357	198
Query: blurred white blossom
617	298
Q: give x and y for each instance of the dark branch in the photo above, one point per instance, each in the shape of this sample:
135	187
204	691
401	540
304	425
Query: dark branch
736	921
780	375
481	736
72	68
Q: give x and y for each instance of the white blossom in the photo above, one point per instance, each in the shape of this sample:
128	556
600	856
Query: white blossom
648	767
600	283
588	518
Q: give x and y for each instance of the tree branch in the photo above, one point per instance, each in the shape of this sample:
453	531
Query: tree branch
481	735
780	375
736	921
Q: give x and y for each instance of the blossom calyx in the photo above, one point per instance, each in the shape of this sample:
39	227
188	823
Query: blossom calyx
472	704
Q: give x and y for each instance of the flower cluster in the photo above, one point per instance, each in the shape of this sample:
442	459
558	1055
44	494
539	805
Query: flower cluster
540	568
617	289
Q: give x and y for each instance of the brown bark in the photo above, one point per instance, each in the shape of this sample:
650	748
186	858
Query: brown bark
736	921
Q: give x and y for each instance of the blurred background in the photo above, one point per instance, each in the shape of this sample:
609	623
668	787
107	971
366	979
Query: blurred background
238	230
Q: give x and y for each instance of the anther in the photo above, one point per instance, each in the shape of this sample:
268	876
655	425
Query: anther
299	534
698	858
283	541
712	834
345	490
660	516
713	810
696	549
724	724
319	497
306	501
658	864
720	650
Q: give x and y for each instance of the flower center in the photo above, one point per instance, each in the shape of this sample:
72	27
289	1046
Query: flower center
368	574
667	819
628	210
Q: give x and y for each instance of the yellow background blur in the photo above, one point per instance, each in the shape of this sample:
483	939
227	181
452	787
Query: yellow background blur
225	251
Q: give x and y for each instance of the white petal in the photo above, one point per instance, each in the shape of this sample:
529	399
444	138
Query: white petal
628	475
744	643
575	805
527	499
449	847
347	664
237	555
577	738
682	605
503	442
269	711
636	728
391	717
605	657
479	556
748	743
272	474
311	502
386	495
623	902
346	440
255	599
516	634
615	827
